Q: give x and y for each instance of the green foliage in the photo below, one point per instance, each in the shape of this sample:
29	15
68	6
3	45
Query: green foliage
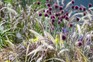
8	1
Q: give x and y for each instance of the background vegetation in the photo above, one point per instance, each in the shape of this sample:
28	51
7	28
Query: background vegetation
45	31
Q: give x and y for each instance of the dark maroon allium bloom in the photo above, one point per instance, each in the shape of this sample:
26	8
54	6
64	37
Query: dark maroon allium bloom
79	43
46	15
63	16
52	17
70	25
76	7
66	17
57	14
48	5
50	8
89	5
77	19
53	20
60	18
50	12
72	1
40	14
80	8
60	7
59	21
63	37
38	3
66	13
62	11
84	13
84	9
47	11
43	10
73	7
56	5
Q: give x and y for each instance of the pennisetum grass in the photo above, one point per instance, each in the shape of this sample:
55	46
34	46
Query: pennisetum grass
45	31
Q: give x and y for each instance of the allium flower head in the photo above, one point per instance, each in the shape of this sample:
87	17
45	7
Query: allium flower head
77	19
78	43
56	5
38	3
76	7
48	5
84	9
40	14
89	5
72	1
80	8
50	8
63	37
52	16
59	21
60	7
73	7
46	15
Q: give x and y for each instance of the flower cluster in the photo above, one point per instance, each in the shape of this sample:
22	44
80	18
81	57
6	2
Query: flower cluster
61	15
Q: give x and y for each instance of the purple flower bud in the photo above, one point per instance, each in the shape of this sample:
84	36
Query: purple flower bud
79	43
59	21
43	10
66	18
50	8
53	20
84	9
48	5
63	37
60	7
49	13
62	11
57	14
56	5
89	5
76	7
63	16
52	17
38	3
80	8
70	25
60	18
77	19
72	1
84	13
66	13
73	7
46	15
40	14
